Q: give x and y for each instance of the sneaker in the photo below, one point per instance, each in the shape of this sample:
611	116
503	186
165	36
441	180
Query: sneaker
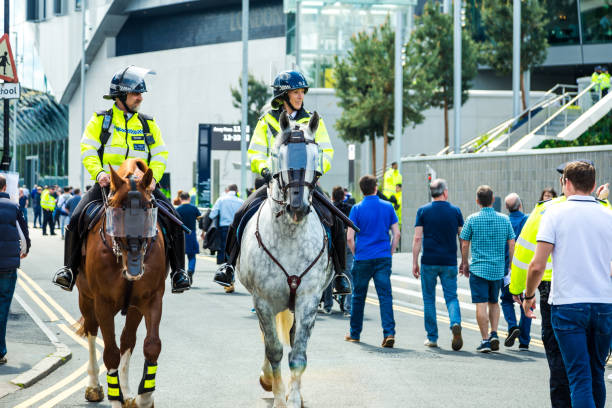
388	342
513	334
457	342
350	339
3	360
523	347
429	343
347	314
494	341
485	347
326	311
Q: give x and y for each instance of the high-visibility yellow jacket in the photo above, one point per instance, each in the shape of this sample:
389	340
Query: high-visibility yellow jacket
127	140
604	80
268	127
398	210
391	179
47	201
594	77
524	248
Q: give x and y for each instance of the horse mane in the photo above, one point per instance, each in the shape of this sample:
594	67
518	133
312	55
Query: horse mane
132	167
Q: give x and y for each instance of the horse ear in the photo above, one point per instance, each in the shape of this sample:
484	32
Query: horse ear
145	181
116	180
313	123
284	121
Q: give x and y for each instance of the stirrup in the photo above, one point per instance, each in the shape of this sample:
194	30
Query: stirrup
342	285
64	278
180	281
224	275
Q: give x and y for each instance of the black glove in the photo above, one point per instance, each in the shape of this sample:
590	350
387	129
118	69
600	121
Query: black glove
267	176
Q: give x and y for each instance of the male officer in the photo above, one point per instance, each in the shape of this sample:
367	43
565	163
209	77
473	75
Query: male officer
111	137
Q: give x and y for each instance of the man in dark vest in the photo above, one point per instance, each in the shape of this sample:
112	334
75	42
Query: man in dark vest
11	224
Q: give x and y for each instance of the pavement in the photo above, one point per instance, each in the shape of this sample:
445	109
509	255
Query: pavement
212	351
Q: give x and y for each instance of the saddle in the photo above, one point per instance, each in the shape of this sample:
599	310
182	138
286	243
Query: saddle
90	216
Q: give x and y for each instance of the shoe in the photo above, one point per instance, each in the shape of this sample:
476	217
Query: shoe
485	347
190	274
347	314
457	342
3	360
513	334
523	347
388	342
253	310
224	275
494	341
342	285
350	339
44	233
64	278
180	281
429	343
229	289
53	233
326	311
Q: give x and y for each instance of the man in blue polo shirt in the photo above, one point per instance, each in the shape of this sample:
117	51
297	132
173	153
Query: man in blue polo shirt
372	248
488	232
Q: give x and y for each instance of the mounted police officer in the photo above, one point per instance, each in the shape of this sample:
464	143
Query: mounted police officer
111	137
289	87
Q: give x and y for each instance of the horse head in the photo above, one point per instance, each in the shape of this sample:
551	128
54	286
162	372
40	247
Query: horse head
131	216
296	164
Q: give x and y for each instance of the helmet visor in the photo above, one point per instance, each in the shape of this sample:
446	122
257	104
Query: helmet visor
131	223
296	156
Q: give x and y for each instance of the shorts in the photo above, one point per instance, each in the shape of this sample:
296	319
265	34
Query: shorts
484	290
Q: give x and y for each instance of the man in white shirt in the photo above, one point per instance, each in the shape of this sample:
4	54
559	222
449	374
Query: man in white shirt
578	233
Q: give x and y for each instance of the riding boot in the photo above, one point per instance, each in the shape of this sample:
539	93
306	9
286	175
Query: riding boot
65	277
342	284
180	278
225	275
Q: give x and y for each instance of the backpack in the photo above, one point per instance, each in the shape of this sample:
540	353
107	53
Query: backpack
105	134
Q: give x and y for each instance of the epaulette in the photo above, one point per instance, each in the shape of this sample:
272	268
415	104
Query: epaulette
145	116
101	113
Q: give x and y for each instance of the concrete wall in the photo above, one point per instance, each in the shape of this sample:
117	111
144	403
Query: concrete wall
525	173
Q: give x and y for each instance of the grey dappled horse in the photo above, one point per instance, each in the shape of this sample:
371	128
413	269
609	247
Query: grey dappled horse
286	232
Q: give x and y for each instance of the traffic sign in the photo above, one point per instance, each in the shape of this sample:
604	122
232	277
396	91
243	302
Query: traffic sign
9	90
8	70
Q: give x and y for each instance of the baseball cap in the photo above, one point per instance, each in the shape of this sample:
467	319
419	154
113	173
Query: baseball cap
562	166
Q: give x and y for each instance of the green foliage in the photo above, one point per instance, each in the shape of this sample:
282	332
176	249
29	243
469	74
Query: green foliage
259	94
598	134
431	46
497	20
364	82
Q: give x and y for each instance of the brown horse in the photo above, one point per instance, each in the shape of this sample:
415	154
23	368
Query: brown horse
123	273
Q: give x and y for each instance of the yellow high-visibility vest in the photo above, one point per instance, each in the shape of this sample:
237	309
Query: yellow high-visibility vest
398	211
391	179
268	127
47	201
127	140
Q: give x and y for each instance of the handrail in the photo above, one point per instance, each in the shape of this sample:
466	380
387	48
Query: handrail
563	108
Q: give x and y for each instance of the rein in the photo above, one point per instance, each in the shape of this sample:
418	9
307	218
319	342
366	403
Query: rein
292	280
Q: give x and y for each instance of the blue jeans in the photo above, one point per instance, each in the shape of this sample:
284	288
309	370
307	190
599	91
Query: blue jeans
448	279
37	216
7	288
222	231
64	220
584	331
507	305
378	269
24	211
191	259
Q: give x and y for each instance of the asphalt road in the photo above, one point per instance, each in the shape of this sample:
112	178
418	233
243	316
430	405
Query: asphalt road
212	351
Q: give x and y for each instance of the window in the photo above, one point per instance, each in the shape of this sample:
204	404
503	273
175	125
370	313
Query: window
563	22
78	5
59	7
596	18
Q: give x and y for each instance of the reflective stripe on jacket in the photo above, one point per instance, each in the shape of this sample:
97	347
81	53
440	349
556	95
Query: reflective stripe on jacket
391	179
266	130
525	246
127	140
47	201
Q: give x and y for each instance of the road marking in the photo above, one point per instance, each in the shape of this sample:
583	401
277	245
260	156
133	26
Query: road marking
52	316
48	298
67	393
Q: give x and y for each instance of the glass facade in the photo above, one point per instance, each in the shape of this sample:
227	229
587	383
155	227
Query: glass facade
563	24
596	17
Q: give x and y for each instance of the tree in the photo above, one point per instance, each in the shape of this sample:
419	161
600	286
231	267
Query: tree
365	83
497	49
259	95
434	37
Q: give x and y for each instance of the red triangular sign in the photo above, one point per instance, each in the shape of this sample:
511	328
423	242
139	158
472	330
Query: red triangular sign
8	70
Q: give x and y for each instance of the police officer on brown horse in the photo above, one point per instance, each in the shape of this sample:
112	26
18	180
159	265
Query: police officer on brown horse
111	137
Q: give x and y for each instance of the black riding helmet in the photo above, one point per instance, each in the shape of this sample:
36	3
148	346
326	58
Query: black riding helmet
287	81
130	79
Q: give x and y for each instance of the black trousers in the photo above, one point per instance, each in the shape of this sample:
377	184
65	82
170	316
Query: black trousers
48	220
559	384
72	245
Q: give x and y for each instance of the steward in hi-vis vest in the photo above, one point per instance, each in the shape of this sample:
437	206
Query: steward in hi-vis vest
111	137
290	88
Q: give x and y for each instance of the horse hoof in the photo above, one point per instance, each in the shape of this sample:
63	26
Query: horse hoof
264	385
94	394
130	403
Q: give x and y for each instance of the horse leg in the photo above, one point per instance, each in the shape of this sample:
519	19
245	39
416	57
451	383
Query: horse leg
152	348
106	319
94	391
128	341
305	316
274	351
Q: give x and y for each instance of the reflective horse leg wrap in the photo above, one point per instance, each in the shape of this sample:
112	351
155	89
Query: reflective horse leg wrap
147	384
114	390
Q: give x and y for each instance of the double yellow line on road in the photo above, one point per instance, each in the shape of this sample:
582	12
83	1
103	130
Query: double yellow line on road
49	307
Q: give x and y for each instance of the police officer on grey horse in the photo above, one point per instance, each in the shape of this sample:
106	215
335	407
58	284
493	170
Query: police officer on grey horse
111	137
289	87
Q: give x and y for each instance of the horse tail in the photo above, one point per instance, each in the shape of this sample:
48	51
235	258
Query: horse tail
284	322
79	327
